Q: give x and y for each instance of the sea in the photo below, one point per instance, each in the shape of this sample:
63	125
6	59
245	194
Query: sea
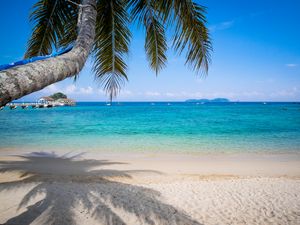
185	127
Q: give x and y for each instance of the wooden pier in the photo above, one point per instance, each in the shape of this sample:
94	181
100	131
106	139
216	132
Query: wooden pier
13	106
44	102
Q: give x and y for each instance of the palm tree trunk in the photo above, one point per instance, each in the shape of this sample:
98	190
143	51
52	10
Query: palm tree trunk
22	80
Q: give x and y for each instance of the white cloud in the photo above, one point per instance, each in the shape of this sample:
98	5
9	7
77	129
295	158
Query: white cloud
51	88
251	94
293	92
246	95
88	90
125	93
101	92
70	89
169	94
150	93
184	95
291	65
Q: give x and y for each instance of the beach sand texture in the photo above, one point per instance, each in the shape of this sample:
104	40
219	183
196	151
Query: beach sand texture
136	189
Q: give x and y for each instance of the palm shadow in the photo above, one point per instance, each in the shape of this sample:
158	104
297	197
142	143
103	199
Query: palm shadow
63	183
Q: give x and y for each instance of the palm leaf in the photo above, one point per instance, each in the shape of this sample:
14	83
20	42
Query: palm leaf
191	34
155	42
52	21
111	44
70	26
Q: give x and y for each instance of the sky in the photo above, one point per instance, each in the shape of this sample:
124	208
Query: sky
256	56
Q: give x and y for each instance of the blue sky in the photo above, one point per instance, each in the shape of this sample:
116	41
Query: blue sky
256	56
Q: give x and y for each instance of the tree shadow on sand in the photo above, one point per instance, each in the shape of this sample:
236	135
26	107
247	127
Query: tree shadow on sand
63	184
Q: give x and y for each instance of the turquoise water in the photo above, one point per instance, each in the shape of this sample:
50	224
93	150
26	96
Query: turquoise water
146	127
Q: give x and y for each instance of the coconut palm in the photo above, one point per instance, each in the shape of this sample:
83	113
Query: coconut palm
100	29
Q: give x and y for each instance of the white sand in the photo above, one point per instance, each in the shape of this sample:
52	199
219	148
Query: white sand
150	189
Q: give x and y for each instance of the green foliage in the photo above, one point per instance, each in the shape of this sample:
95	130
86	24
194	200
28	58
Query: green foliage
55	26
111	44
58	95
155	44
191	34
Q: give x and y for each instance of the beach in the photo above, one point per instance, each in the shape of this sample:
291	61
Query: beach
149	188
149	112
151	164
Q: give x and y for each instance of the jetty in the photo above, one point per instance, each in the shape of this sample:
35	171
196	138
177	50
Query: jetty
27	105
55	100
35	105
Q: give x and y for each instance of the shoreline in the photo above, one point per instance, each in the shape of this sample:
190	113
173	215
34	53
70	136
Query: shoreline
235	164
122	188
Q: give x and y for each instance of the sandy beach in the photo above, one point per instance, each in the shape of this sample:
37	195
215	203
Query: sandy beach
131	188
146	112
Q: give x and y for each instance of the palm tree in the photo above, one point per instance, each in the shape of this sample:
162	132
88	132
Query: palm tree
100	28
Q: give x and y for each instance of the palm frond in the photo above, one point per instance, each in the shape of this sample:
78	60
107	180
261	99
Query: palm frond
52	20
70	26
155	42
111	44
191	33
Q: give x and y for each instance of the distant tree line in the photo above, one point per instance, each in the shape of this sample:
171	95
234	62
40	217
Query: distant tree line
58	95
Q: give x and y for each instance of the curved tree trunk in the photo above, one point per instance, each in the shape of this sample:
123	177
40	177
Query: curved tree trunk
22	80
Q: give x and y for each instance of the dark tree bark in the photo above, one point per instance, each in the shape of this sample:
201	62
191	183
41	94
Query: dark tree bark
22	80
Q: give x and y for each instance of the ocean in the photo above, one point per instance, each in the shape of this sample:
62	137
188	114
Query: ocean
154	127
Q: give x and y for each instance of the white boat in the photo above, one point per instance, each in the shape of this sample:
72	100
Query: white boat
108	104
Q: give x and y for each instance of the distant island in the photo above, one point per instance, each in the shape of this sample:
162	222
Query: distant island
208	100
57	99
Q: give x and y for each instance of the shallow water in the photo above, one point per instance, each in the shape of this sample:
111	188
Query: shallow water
152	127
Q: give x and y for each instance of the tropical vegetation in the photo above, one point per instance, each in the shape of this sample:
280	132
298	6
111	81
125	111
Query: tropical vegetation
58	95
101	29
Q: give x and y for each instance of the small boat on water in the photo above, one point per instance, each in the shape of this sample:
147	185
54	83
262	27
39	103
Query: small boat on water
24	106
2	107
13	106
108	104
